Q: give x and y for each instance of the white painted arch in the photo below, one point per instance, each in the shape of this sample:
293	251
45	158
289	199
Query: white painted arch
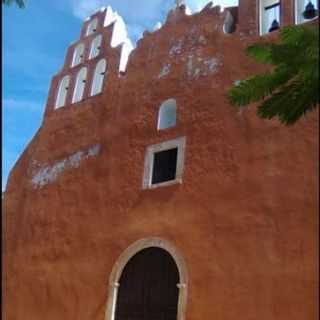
98	77
128	254
92	27
77	55
95	46
80	85
62	92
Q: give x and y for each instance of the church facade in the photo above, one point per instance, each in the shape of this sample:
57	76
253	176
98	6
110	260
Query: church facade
145	195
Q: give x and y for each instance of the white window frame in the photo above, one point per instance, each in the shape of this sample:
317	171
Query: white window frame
261	15
180	144
98	76
298	18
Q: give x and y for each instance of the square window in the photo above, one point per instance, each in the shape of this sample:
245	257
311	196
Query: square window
306	10
164	165
269	16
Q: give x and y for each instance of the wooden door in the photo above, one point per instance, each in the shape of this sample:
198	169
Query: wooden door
148	287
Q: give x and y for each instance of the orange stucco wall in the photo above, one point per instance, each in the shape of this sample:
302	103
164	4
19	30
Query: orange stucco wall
245	216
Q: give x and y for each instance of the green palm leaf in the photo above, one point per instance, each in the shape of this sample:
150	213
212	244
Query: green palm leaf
290	103
290	89
261	52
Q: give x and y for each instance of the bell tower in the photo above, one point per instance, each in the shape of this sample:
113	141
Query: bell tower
92	63
248	16
260	17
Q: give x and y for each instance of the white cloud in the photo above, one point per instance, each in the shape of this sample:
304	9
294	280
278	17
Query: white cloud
84	8
197	5
139	15
141	9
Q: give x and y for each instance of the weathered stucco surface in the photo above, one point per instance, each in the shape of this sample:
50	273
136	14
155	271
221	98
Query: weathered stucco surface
245	216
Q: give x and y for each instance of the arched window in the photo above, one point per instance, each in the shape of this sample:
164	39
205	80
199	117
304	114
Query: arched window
95	47
62	92
269	16
98	77
92	27
80	85
167	114
77	54
305	10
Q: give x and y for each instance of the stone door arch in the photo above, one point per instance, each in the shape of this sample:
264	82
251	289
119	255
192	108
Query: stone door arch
132	251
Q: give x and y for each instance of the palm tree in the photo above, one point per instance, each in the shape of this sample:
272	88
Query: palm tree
20	3
291	88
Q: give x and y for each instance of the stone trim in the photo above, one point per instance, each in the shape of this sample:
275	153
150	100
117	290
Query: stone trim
179	143
128	254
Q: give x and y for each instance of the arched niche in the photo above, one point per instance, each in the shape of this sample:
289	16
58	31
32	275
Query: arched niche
130	252
95	46
77	54
167	116
98	77
80	85
92	27
62	92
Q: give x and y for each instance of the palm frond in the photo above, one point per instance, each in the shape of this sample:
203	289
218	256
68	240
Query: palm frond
261	52
290	103
291	88
299	35
286	54
257	87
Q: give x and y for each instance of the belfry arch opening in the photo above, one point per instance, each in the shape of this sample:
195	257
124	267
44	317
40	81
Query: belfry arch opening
62	92
78	55
80	85
98	77
95	46
148	281
92	27
270	15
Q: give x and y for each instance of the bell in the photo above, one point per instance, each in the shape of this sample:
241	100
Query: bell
310	12
274	26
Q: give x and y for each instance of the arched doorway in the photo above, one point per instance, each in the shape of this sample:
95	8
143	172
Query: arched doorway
148	287
134	256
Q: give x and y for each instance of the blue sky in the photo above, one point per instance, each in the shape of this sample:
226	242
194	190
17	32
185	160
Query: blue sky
35	40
